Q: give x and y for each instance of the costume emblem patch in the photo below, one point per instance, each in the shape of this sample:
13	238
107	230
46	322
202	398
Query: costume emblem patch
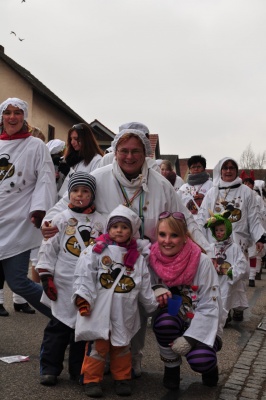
5	167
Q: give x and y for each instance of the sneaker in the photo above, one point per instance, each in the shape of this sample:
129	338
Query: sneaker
238	315
48	380
93	389
171	378
122	388
211	378
251	283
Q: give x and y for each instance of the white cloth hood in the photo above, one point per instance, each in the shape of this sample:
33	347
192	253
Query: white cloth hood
126	212
15	102
217	169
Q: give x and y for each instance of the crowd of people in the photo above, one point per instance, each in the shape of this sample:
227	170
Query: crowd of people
116	239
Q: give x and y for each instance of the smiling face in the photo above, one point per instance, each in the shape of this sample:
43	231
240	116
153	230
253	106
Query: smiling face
13	119
120	232
169	241
80	196
130	156
74	140
228	171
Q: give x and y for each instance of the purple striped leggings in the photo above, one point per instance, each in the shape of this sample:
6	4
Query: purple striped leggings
201	358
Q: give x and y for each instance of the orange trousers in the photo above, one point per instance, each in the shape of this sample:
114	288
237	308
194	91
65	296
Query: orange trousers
95	357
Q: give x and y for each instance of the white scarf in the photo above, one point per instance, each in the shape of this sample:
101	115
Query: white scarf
141	180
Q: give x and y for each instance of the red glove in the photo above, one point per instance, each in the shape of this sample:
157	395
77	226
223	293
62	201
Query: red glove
49	286
83	306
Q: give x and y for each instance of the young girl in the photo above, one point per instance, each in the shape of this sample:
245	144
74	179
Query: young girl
78	227
231	266
179	267
96	271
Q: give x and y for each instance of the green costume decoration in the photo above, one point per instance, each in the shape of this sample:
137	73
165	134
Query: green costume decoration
219	219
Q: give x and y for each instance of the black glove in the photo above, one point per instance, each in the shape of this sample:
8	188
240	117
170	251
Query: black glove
56	159
64	168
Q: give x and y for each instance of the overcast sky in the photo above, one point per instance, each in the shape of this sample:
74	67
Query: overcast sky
193	70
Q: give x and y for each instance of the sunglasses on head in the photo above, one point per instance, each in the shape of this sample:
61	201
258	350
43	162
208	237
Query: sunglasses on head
78	126
176	215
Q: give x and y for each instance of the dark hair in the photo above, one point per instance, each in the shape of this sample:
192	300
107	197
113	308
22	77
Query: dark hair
249	180
233	162
196	159
88	144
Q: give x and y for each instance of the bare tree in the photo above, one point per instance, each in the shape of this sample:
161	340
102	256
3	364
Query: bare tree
250	160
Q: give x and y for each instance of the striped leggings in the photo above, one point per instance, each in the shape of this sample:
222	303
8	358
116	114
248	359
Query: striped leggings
167	328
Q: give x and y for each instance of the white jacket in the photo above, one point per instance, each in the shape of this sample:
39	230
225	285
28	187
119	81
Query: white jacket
59	256
92	276
29	186
245	218
233	291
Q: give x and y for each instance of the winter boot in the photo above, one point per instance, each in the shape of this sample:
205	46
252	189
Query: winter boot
211	378
171	378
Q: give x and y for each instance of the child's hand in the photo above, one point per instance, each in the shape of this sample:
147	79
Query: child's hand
162	294
163	299
83	306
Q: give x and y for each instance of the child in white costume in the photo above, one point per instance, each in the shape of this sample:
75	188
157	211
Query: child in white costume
230	264
78	227
96	271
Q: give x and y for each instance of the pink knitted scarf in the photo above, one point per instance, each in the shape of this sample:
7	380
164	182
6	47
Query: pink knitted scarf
179	269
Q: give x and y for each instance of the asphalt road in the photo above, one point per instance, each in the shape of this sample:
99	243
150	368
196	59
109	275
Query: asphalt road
21	334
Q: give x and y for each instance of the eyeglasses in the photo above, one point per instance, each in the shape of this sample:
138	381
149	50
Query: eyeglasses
176	215
126	152
231	168
78	126
196	166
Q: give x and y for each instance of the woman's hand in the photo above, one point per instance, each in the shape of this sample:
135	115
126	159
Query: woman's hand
48	230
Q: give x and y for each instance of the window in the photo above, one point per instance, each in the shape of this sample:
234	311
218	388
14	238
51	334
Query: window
50	132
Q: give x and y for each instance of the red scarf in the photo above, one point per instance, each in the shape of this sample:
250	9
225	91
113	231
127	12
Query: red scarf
22	134
179	269
130	257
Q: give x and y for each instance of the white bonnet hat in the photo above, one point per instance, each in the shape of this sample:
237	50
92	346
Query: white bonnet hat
135	125
15	102
56	146
140	134
125	212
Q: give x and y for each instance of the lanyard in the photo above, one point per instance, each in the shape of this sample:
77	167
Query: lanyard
128	203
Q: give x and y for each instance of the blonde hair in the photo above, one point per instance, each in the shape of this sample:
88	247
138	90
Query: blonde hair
36	132
179	227
168	165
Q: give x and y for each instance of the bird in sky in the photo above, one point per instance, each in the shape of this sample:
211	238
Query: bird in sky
20	39
13	33
23	1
